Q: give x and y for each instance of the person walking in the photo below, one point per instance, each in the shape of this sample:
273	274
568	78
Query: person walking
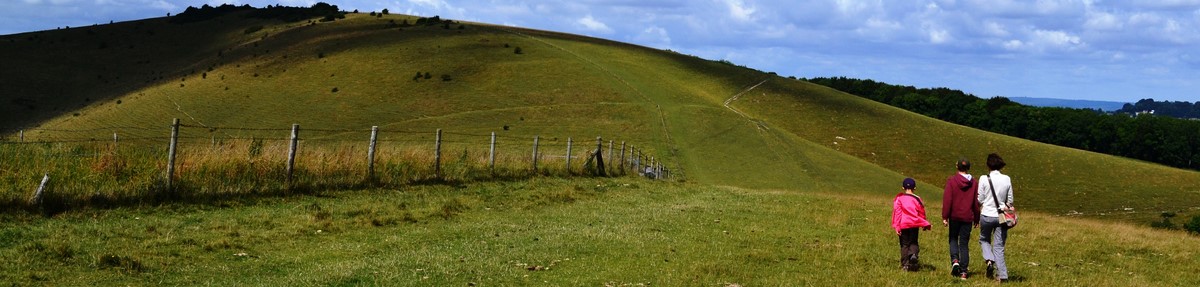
908	214
995	192
960	212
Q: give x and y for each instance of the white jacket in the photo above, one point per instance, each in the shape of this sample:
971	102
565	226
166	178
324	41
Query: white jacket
1003	189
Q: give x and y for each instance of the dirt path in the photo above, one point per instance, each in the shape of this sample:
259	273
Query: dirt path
759	124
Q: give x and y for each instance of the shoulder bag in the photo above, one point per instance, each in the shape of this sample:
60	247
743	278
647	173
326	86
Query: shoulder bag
1008	217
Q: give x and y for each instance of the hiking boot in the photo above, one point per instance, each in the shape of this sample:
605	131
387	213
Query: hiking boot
955	270
964	275
991	270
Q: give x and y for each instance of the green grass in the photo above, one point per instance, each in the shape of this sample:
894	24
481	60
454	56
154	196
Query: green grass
569	232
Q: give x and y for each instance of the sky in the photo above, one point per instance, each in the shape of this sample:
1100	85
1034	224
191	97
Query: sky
1067	49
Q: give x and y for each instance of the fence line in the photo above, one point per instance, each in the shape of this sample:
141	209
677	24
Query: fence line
631	161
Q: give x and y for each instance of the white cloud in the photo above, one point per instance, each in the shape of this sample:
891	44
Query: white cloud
590	23
992	28
1040	41
739	10
1102	21
654	36
939	36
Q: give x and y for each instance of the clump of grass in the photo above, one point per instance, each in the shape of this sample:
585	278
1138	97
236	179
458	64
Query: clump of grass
123	264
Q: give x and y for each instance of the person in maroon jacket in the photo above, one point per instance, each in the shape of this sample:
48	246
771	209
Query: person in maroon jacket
960	212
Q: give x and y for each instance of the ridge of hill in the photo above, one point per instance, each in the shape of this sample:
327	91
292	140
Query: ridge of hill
712	122
1107	106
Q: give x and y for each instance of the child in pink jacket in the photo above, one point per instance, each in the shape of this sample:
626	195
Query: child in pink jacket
908	214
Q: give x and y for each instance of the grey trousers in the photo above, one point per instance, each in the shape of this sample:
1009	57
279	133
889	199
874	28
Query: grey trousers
992	238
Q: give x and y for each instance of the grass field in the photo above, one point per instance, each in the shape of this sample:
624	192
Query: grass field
618	232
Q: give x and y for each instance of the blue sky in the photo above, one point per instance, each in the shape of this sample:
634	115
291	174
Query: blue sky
1068	49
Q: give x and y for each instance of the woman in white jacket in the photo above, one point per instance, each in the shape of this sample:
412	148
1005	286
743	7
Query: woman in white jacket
994	188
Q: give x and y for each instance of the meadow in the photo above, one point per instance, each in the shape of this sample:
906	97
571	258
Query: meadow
553	231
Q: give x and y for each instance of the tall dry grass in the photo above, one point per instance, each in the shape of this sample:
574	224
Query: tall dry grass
104	174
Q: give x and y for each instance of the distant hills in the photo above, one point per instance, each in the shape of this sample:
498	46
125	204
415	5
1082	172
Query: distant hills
1065	103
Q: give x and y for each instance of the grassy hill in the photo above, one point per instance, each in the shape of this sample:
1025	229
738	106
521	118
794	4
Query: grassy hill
238	72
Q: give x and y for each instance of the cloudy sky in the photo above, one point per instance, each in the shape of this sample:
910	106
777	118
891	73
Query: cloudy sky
1070	49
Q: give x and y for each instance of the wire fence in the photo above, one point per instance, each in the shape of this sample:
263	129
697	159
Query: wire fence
67	168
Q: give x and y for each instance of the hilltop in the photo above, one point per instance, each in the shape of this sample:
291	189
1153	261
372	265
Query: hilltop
715	123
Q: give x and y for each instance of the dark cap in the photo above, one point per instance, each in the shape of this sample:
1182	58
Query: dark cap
963	165
909	183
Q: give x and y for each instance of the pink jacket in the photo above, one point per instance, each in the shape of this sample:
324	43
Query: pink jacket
908	212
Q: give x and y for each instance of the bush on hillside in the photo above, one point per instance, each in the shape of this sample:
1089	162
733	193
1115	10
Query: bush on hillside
1166	221
1194	225
517	51
385	11
429	21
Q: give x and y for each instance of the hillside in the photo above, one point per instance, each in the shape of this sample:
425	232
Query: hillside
232	74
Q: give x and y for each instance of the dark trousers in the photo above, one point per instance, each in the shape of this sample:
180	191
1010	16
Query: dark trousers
960	236
909	249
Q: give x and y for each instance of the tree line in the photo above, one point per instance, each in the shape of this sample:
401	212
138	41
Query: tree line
1183	110
1164	140
289	14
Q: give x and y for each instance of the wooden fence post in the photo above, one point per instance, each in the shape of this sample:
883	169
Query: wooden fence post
114	140
568	155
652	165
22	133
36	199
633	160
600	157
535	153
437	155
610	155
492	154
621	167
657	170
171	154
291	164
371	153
